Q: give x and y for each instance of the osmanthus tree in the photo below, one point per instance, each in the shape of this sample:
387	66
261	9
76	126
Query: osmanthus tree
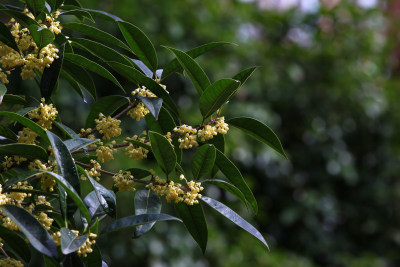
44	162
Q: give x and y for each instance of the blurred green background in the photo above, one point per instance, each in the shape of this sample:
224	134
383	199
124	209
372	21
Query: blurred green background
328	85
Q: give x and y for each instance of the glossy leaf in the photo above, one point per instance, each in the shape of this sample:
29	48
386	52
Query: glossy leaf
20	17
65	129
174	65
7	133
3	91
92	66
80	75
16	175
234	217
26	122
102	14
41	36
24	150
7	38
139	173
74	84
163	152
219	142
216	95
15	99
143	67
106	105
55	4
110	205
71	260
227	187
76	144
38	237
16	243
95	33
193	69
233	174
140	44
94	259
152	103
165	123
203	161
259	131
35	6
146	202
194	220
132	221
244	75
50	75
70	242
65	162
94	205
79	13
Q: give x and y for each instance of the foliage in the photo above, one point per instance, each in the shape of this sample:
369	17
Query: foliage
45	163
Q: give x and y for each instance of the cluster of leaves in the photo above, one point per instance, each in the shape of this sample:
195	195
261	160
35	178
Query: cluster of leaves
136	61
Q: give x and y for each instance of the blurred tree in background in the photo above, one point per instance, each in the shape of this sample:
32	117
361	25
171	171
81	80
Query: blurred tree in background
328	86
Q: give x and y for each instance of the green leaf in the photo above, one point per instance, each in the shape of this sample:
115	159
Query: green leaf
164	124
80	75
163	151
26	122
194	220
216	95
95	33
233	174
101	51
142	67
16	243
72	193
35	6
79	13
219	142
94	259
74	84
244	75
19	16
41	36
92	66
139	173
234	217
3	91
193	69
16	175
203	161
94	205
15	99
24	150
72	260
55	4
71	242
7	133
146	202
137	77
65	162
102	14
140	44
50	75
33	230
259	131
106	105
152	103
76	144
65	129
132	221
174	65
110	205
228	187
7	38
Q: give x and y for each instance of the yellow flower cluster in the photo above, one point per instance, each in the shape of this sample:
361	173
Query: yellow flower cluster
124	181
10	161
29	57
135	151
27	136
105	153
140	110
187	136
176	192
44	115
56	236
108	126
10	262
87	246
93	172
47	181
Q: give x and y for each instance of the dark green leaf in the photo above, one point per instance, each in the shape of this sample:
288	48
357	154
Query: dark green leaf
234	217
259	131
16	243
95	33
110	205
74	84
163	151
15	99
70	242
33	230
143	67
76	144
140	44
146	202
164	124
80	75
244	75
139	173
194	220
193	69
16	175
41	36
3	91
94	259
216	95
174	65
106	105
92	66
203	161
65	129
7	38
219	142
79	13
24	150
137	77
72	260
20	17
7	133
103	14
233	174
65	163
152	103
94	205
26	122
50	75
35	6
55	4
228	187
132	221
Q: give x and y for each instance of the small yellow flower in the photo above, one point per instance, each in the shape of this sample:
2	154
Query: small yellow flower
124	181
108	126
